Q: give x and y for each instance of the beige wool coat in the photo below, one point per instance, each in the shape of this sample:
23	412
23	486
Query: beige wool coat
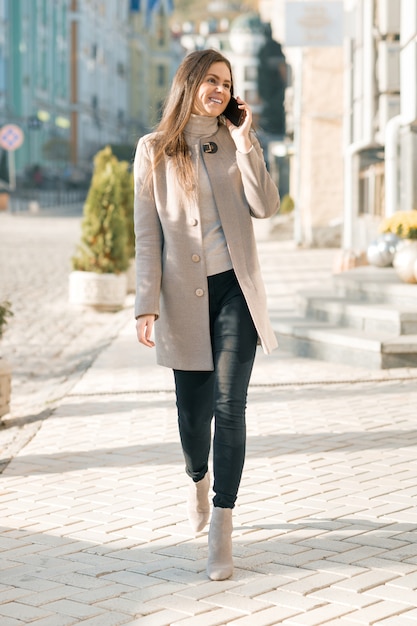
171	279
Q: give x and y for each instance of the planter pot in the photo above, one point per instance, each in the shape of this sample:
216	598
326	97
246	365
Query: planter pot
131	277
405	259
4	201
104	292
381	252
5	386
346	260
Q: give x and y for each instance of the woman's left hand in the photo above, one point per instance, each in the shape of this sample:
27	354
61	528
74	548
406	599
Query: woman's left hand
240	134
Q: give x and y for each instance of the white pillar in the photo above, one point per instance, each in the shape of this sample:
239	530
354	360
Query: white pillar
351	192
392	136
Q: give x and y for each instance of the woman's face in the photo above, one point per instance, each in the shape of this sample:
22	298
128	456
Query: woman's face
214	92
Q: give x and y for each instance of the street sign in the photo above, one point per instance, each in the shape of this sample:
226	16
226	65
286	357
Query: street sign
313	24
11	137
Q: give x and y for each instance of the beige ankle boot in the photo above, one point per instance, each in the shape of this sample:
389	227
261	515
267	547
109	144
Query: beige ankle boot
198	505
220	560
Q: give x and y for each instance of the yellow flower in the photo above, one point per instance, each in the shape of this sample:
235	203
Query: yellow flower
402	223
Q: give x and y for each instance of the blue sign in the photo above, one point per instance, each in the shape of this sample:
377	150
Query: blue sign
149	7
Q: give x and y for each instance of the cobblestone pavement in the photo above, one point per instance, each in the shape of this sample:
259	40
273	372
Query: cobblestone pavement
93	506
48	343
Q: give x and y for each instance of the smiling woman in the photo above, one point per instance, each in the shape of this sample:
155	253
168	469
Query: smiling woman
199	180
214	92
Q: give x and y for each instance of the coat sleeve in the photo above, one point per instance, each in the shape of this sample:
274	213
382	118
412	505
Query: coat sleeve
148	236
260	190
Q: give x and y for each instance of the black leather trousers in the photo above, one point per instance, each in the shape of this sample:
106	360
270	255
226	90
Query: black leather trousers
222	393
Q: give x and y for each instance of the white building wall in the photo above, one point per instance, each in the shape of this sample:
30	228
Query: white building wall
408	82
408	43
382	116
380	82
273	11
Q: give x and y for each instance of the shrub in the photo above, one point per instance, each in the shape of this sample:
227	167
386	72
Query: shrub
104	240
287	204
126	203
5	312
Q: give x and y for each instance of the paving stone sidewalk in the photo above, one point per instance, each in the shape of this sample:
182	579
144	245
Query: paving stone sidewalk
93	507
48	343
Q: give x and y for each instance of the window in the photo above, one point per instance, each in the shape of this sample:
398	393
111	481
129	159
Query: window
44	68
44	11
161	27
252	96
251	72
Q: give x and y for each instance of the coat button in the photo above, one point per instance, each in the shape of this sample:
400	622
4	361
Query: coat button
193	221
195	258
199	292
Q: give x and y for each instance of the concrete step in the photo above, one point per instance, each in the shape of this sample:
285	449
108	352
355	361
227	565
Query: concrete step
338	310
375	284
364	348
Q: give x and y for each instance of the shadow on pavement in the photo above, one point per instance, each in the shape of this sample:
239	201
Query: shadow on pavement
169	452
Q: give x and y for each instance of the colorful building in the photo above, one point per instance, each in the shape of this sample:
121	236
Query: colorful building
34	83
78	74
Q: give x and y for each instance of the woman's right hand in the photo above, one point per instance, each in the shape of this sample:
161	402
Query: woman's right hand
241	134
144	326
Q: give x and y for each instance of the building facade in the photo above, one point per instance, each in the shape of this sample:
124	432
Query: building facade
352	113
78	74
314	119
154	57
34	83
381	115
99	76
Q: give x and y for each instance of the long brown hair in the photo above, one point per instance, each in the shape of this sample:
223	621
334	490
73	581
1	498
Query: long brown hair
169	139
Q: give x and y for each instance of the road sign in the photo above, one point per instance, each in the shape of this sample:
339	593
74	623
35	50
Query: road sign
11	137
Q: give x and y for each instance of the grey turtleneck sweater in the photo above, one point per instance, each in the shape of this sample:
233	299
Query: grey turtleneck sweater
216	253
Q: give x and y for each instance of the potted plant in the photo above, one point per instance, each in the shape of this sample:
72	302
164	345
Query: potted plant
404	225
5	369
98	278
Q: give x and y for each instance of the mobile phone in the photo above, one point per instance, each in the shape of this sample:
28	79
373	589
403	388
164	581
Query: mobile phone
233	113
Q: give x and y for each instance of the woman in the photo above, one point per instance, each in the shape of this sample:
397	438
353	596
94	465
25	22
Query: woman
198	181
